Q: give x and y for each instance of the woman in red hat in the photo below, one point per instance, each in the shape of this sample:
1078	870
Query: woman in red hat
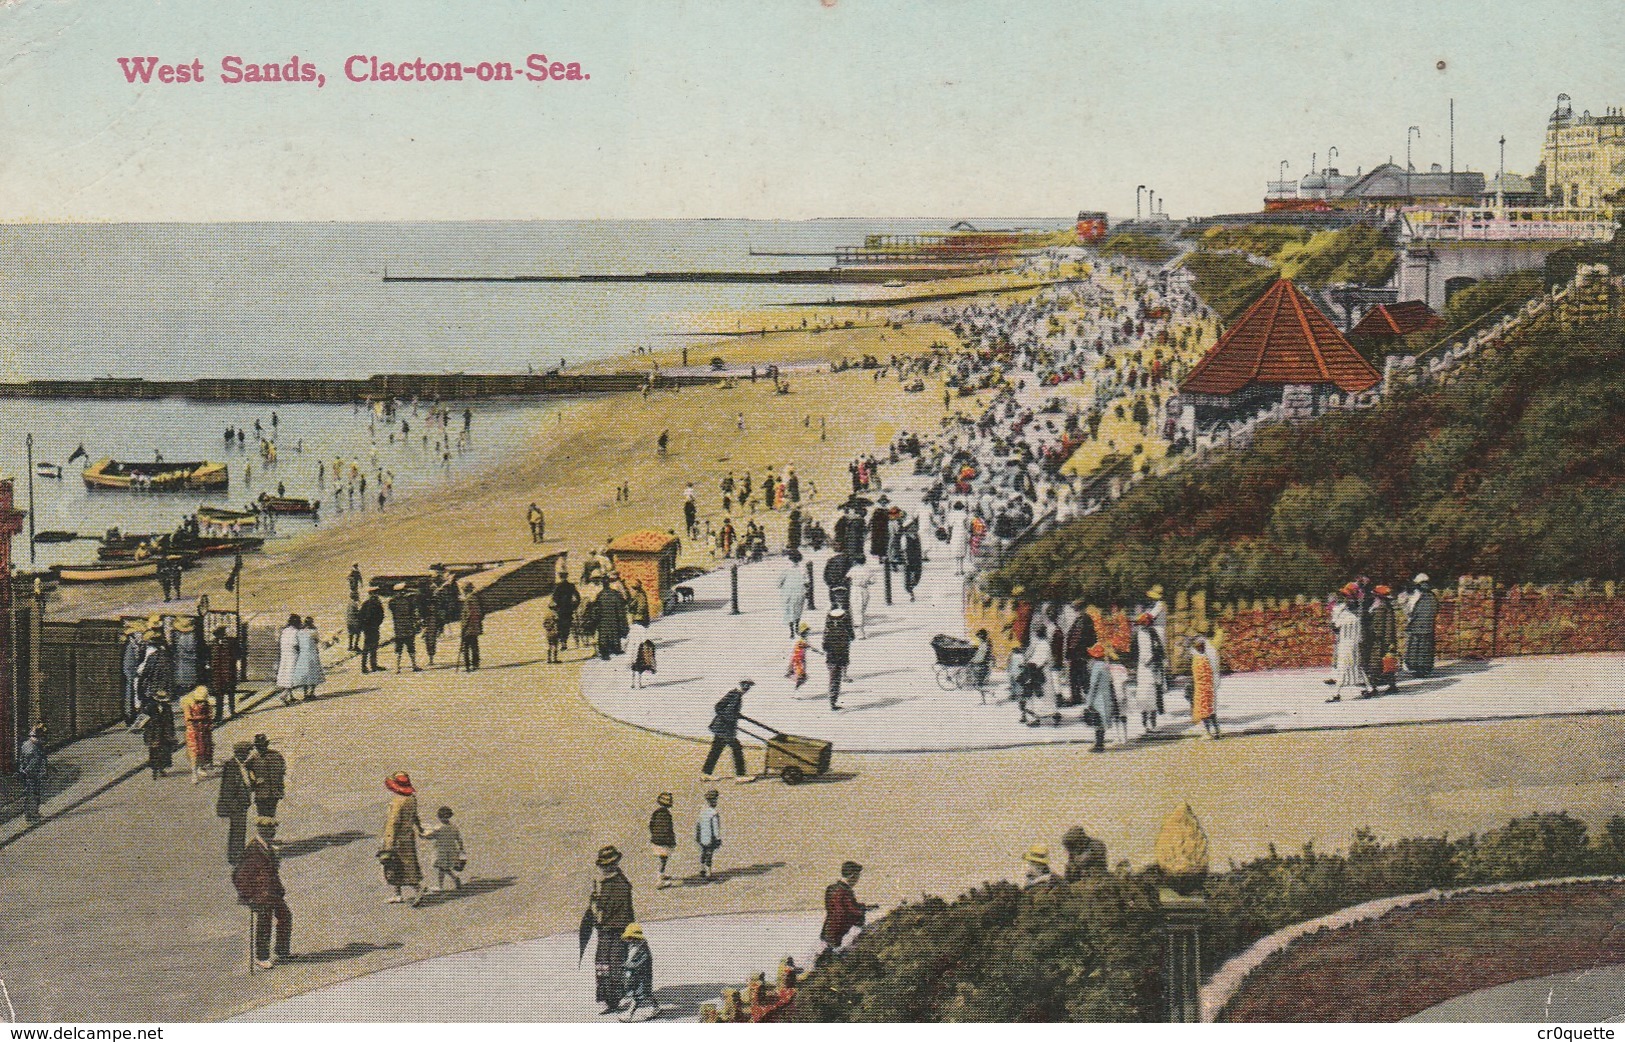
400	842
1382	642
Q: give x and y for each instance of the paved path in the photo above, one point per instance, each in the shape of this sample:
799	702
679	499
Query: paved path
542	981
1592	997
893	703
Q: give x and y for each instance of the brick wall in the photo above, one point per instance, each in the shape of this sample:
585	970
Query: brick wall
1477	619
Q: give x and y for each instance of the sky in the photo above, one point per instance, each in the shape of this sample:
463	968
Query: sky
769	108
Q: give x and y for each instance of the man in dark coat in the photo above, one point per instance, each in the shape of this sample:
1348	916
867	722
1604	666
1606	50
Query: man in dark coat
611	910
158	733
403	618
837	650
913	556
842	910
879	537
565	601
725	730
835	577
372	619
33	765
268	773
853	538
259	886
236	793
792	530
662	835
609	612
1419	628
1079	639
355	580
473	612
223	674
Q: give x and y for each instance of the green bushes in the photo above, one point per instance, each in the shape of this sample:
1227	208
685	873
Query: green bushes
1088	950
1254	899
1148	248
1091	949
1516	471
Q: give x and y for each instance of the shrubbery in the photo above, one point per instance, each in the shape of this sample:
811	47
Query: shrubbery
1088	950
1254	899
1091	949
1148	248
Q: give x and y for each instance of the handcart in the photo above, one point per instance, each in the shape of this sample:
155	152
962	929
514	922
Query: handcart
794	757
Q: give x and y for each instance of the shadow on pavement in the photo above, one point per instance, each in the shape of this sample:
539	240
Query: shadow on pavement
725	874
353	950
682	1001
311	844
274	704
470	888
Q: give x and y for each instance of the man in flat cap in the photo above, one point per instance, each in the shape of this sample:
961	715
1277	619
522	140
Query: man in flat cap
842	910
236	793
725	731
259	886
268	771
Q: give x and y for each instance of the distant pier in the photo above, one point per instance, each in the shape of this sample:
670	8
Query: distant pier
455	386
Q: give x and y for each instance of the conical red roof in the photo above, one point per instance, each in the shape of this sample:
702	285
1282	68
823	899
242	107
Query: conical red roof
1282	339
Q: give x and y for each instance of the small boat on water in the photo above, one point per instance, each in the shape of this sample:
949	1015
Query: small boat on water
51	535
107	572
289	505
126	548
228	518
49	470
190	476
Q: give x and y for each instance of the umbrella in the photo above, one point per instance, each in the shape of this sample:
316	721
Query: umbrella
584	934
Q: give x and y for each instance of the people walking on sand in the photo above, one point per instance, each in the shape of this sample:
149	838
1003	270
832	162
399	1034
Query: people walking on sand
287	658
259	886
34	766
1420	619
268	776
1381	645
450	856
235	797
837	651
403	617
355	580
724	730
197	710
1205	684
662	836
307	665
550	630
792	591
372	621
158	734
708	832
1349	625
843	914
399	850
610	912
533	517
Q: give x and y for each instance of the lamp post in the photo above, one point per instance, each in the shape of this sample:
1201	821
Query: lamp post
28	441
1331	153
1408	132
1501	176
1280	178
1137	192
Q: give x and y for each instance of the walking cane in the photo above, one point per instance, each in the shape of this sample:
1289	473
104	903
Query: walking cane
253	925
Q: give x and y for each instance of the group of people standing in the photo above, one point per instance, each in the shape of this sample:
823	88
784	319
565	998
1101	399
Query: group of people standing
415	610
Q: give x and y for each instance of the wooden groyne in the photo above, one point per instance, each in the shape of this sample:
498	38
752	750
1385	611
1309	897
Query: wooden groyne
423	386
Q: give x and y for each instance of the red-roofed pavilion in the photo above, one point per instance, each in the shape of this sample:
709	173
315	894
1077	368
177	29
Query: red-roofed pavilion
1283	347
1387	322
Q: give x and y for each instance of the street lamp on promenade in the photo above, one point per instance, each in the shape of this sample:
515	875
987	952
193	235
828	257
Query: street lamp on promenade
1331	153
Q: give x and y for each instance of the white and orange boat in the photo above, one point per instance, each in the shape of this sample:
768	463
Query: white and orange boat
185	476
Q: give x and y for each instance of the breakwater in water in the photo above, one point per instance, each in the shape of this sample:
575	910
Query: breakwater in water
423	386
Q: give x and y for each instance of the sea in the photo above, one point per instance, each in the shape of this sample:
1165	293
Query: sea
179	301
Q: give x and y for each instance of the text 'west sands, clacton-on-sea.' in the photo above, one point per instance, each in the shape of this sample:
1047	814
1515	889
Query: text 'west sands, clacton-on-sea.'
358	68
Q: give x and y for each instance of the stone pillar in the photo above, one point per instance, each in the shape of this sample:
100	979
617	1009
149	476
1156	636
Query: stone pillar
1183	918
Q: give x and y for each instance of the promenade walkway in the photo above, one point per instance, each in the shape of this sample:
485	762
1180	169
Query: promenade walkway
695	958
892	702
